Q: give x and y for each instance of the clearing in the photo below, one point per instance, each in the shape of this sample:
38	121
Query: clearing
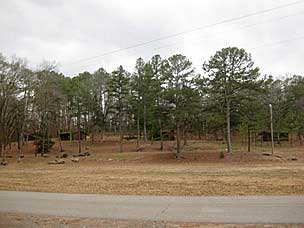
151	172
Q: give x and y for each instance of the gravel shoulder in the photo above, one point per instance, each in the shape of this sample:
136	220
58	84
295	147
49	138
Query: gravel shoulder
21	220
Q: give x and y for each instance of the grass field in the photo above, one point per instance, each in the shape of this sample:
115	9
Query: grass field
152	172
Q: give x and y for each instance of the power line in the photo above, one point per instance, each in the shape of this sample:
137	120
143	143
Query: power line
188	31
301	37
241	28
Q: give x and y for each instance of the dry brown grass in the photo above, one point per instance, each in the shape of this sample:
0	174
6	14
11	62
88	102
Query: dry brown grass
152	172
12	220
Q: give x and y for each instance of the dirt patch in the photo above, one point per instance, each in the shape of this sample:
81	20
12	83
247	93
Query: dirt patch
17	220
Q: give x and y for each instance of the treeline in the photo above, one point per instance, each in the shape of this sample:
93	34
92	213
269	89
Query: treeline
161	97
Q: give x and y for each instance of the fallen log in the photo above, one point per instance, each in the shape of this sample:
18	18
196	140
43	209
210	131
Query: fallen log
83	154
56	162
293	158
4	163
140	148
64	155
75	160
278	156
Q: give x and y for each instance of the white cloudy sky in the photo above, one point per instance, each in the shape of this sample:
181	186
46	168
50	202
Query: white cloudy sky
67	31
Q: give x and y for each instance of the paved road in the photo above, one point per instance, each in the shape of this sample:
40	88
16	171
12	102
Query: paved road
219	209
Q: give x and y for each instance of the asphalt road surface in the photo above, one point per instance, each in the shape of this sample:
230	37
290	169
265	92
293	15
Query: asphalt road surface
214	209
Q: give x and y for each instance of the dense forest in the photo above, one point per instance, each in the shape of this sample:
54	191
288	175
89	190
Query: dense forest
161	99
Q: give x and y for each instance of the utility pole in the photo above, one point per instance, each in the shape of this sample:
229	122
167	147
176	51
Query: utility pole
271	129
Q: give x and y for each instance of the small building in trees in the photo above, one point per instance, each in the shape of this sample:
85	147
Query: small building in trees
73	135
32	136
167	134
48	144
266	136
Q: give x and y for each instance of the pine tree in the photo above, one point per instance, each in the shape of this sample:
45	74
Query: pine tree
119	89
230	72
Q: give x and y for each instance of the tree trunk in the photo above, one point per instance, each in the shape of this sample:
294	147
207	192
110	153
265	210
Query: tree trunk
48	138
178	150
36	150
300	137
248	139
60	143
78	128
18	140
102	132
279	138
199	134
138	130
43	141
120	133
145	123
185	135
1	150
201	130
161	134
93	137
26	140
44	125
21	142
215	136
229	143
4	154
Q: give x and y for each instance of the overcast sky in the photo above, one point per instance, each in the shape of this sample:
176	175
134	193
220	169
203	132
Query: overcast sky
66	31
